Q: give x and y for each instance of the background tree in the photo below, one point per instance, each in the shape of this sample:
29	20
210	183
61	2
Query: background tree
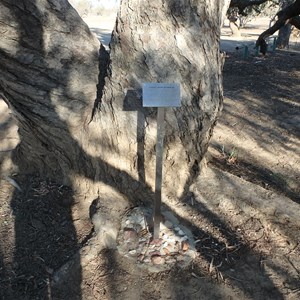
233	18
240	12
79	110
243	4
285	31
287	16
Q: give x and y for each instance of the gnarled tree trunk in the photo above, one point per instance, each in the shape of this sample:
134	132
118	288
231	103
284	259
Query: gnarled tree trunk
86	126
284	34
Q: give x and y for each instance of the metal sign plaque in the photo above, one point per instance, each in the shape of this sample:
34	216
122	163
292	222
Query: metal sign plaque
161	95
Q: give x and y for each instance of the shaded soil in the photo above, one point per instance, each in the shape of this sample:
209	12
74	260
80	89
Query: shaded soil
37	235
257	137
46	252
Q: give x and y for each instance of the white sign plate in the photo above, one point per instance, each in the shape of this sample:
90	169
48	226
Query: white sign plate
161	95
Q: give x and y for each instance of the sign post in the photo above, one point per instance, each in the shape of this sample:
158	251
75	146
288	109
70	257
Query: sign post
160	95
158	170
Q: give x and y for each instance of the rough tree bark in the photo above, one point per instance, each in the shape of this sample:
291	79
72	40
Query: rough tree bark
284	32
85	127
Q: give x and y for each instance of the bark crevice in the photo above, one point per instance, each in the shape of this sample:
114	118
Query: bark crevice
104	60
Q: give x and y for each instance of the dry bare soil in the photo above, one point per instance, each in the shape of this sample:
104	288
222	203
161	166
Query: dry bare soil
243	210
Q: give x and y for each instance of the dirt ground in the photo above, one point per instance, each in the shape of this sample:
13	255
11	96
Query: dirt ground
243	210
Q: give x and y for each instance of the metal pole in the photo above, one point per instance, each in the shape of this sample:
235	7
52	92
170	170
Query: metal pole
158	172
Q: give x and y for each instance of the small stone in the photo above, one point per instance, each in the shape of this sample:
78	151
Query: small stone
168	224
156	242
185	246
180	232
166	237
141	257
166	251
172	240
184	238
141	248
127	222
132	252
130	234
165	244
157	260
154	253
169	246
131	239
176	228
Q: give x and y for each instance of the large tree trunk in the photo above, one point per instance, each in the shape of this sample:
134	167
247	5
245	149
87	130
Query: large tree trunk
71	131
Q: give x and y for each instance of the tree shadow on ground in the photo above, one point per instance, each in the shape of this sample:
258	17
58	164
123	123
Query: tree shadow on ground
260	120
268	87
5	289
244	268
216	242
255	174
45	236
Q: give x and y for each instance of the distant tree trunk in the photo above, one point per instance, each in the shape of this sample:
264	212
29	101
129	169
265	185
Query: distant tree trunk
83	126
233	25
225	9
284	32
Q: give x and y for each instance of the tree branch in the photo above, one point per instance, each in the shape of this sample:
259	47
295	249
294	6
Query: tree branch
284	16
242	4
295	22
